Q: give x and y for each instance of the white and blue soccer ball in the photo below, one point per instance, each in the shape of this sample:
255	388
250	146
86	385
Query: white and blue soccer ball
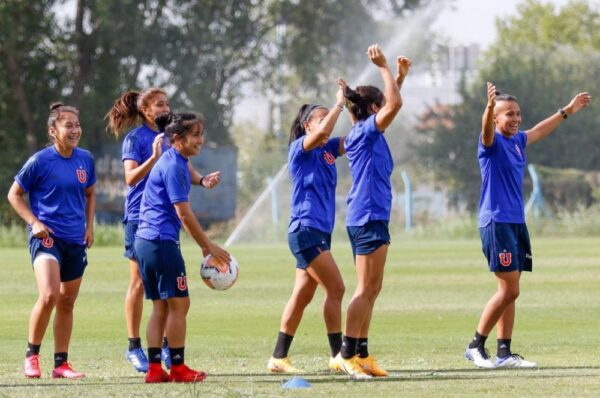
219	276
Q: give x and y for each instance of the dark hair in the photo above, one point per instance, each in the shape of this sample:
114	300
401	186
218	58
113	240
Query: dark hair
126	113
178	124
303	116
360	100
56	109
505	97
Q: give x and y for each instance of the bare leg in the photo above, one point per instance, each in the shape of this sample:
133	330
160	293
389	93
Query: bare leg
505	296
134	301
156	324
304	290
369	270
325	272
176	320
63	318
47	276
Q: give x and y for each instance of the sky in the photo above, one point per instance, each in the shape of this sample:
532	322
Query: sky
473	21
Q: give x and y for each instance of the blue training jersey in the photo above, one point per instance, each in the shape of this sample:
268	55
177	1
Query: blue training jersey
371	165
56	187
168	183
138	146
314	178
502	170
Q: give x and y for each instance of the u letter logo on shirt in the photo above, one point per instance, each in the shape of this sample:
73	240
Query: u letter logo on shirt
182	283
48	242
81	175
505	258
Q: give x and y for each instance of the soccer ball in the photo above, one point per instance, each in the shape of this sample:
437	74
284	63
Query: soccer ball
218	276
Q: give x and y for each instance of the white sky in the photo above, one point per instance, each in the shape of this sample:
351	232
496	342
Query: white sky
473	21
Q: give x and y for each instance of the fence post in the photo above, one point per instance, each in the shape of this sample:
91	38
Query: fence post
536	200
407	201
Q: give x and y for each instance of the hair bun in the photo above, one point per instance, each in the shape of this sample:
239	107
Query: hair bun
163	120
55	105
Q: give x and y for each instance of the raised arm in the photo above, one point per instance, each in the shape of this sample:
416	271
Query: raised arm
385	116
325	127
487	121
548	125
403	65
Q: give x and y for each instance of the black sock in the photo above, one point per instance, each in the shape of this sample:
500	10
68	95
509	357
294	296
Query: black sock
135	343
32	349
154	355
165	342
60	358
335	342
503	348
363	347
478	341
348	347
284	341
177	355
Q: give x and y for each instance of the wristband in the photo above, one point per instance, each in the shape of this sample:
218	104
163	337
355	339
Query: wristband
563	113
340	106
202	181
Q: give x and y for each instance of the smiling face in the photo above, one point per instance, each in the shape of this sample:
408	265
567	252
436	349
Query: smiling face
311	125
156	105
507	117
66	132
192	142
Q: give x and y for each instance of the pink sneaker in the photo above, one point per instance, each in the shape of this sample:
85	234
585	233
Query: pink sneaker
32	366
66	371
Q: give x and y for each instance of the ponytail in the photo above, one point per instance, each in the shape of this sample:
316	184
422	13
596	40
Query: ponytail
361	99
126	111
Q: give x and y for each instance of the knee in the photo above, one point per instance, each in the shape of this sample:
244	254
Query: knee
66	302
510	295
370	293
303	298
336	292
136	287
48	300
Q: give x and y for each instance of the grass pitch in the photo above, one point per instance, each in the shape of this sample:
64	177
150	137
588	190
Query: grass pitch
433	294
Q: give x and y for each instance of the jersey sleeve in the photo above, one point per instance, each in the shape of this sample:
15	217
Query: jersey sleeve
27	177
177	183
333	146
131	148
486	150
92	172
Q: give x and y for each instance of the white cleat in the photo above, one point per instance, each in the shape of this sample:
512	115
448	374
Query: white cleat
479	357
515	361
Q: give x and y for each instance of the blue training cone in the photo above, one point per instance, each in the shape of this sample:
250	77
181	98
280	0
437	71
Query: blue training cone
297	382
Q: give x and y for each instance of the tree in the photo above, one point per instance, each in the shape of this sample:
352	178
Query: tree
543	57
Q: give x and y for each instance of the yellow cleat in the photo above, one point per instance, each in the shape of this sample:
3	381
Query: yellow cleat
335	365
352	368
370	366
281	365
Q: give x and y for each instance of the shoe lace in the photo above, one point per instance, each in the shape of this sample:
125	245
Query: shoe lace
485	354
34	361
516	356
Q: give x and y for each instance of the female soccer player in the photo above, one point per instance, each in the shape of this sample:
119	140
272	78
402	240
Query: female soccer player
369	205
142	147
164	208
504	235
311	159
60	182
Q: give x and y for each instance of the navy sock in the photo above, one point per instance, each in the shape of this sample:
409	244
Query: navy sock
135	343
60	358
154	354
478	341
177	355
503	348
335	342
32	349
282	346
363	347
349	347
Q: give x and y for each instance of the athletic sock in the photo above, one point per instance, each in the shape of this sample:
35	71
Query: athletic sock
135	343
503	348
478	341
363	347
284	341
154	354
335	342
165	342
348	347
32	349
60	358
177	355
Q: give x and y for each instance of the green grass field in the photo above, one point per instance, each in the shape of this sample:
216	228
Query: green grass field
433	294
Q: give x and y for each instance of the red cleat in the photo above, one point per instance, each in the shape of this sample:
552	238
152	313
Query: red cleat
32	366
65	371
183	374
156	374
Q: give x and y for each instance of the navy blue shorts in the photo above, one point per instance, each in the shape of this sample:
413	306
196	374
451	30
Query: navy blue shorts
72	257
369	237
162	268
130	230
307	243
506	247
